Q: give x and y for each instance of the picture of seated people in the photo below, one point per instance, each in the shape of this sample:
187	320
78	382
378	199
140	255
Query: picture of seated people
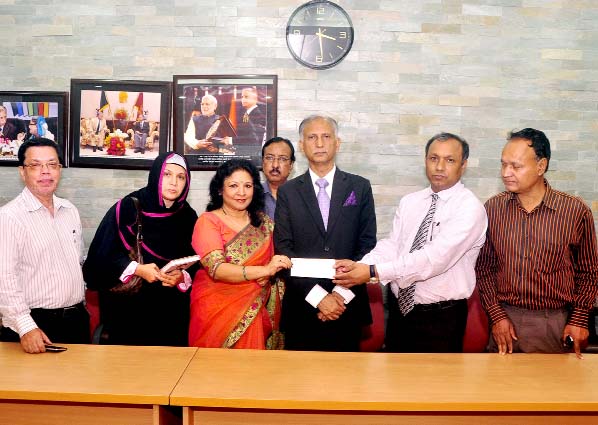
125	124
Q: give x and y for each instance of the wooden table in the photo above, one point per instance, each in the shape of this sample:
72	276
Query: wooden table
89	384
253	387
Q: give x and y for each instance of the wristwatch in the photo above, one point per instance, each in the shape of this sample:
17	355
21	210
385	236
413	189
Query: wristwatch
373	278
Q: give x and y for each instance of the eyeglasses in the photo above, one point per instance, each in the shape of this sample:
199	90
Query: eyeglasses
39	166
281	159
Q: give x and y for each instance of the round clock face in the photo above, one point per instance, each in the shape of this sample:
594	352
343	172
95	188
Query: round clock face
319	34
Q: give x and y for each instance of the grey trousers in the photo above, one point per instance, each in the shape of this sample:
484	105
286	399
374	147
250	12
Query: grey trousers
538	331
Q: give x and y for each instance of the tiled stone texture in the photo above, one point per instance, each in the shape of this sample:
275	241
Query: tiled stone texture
478	68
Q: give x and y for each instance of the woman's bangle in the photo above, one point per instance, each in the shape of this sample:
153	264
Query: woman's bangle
244	274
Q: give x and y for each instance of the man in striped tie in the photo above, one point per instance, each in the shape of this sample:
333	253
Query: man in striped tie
41	282
429	256
538	272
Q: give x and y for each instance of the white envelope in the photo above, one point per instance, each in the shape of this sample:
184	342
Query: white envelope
313	267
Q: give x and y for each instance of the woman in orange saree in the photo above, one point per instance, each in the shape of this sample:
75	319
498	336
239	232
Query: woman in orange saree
235	301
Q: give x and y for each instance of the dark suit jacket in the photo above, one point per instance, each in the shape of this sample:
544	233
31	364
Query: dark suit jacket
251	133
9	131
299	232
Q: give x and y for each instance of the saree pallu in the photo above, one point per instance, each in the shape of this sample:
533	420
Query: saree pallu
234	315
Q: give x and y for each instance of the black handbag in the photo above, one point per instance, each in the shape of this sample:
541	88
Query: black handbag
133	285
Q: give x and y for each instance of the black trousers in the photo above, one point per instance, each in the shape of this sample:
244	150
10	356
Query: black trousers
428	328
68	325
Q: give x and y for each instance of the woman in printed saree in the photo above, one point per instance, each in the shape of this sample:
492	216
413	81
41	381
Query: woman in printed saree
156	310
235	300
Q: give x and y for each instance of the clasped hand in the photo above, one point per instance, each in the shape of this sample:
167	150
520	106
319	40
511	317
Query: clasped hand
331	307
151	273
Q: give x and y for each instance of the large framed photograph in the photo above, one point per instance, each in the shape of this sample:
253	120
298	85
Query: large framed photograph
27	114
219	117
119	124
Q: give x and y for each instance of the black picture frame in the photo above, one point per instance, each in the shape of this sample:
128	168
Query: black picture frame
228	134
124	141
23	110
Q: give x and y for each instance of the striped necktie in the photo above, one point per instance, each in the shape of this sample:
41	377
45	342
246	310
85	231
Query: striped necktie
407	295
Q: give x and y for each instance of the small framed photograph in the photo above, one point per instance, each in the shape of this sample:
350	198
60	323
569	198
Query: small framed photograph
219	117
119	124
27	114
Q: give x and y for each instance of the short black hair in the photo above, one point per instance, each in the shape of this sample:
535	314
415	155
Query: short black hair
36	141
443	137
538	141
226	169
280	140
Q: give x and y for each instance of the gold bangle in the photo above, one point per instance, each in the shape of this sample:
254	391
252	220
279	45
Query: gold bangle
244	274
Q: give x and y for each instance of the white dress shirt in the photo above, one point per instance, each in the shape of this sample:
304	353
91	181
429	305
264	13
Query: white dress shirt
40	259
444	268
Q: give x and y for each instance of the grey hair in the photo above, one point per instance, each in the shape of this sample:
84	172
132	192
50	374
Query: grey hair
212	98
314	117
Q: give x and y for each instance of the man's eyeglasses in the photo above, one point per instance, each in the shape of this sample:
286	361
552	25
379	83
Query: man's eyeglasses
38	166
281	159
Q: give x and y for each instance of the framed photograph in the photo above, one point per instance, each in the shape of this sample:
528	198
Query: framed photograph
122	124
219	117
26	114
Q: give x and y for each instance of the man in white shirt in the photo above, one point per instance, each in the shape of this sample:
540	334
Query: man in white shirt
429	256
41	283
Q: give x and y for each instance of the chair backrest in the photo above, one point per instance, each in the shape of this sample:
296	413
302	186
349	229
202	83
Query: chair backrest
372	337
92	302
476	330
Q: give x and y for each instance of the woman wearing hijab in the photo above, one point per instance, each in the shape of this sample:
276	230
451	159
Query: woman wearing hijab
235	301
156	312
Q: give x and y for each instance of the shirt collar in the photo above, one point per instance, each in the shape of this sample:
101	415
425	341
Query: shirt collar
34	204
266	187
549	199
328	177
446	194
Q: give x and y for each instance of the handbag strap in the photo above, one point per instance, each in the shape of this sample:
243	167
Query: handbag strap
139	237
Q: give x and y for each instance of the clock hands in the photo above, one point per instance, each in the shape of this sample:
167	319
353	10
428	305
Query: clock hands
319	34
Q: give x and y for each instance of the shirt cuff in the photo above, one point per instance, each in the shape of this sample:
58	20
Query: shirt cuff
497	313
129	272
186	284
579	317
347	294
24	324
316	295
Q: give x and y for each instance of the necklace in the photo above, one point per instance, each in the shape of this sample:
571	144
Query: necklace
232	216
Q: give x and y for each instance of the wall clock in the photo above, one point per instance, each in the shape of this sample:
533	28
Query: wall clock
319	34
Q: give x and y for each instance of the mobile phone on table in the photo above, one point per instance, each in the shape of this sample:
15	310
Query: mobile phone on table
55	348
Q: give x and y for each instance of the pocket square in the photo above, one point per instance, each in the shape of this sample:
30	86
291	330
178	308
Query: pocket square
351	200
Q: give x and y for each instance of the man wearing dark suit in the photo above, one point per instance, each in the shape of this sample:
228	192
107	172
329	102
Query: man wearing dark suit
251	124
141	128
317	315
7	130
